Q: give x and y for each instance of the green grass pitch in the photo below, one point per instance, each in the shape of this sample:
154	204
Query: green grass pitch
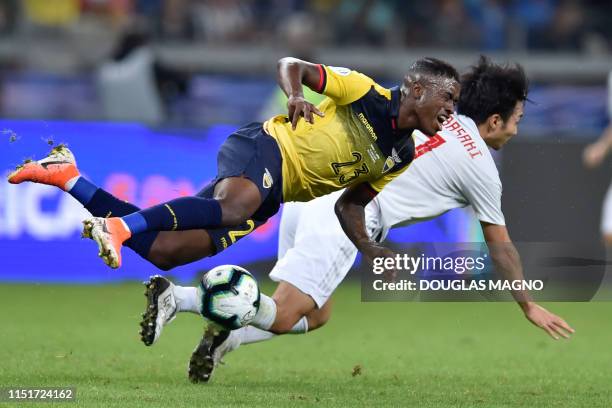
408	354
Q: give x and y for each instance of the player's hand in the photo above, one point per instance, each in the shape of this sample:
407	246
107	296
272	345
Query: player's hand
594	154
378	251
552	324
298	106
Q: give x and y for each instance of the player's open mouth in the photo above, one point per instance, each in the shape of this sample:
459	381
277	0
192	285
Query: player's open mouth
441	119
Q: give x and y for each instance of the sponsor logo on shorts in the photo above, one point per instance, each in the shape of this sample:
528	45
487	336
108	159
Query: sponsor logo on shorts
267	179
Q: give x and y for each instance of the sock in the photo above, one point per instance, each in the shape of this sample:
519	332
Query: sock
81	189
183	213
301	327
251	334
264	319
187	299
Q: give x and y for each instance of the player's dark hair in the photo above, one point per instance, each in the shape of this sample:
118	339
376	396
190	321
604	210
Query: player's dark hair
488	88
434	67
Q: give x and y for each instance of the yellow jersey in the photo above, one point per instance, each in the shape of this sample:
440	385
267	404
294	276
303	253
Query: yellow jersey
356	141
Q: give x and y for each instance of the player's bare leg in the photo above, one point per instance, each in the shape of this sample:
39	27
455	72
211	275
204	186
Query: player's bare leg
292	305
175	248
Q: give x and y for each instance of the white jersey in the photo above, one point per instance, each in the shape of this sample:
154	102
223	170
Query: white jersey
452	169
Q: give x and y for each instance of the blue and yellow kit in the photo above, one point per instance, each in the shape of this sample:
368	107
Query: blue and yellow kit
356	141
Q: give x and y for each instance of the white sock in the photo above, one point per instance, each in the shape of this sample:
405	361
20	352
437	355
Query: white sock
70	183
264	319
187	299
301	327
251	334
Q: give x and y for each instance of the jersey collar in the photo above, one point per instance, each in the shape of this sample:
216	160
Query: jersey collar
394	108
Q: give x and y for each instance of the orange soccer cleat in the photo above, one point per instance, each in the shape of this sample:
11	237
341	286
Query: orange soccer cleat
109	234
56	169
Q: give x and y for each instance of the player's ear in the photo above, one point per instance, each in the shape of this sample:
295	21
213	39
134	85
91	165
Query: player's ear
417	90
495	122
412	86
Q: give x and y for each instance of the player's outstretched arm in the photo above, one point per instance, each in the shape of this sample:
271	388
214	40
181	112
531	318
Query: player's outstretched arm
595	153
507	262
350	209
292	73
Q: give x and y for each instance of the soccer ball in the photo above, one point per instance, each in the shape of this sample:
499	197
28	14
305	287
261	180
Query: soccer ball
230	296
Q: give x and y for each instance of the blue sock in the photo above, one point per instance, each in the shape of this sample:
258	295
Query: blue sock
135	222
83	190
181	214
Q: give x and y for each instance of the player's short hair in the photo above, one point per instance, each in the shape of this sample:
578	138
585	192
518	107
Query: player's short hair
434	67
488	88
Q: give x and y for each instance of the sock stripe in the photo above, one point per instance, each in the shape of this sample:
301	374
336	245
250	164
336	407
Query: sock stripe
174	220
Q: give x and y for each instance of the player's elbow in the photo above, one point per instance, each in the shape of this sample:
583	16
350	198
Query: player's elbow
340	208
286	62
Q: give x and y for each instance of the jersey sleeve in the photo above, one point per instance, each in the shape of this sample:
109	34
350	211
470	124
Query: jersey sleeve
343	85
484	195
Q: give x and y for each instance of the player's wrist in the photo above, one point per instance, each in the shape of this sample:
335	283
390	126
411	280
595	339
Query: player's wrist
527	306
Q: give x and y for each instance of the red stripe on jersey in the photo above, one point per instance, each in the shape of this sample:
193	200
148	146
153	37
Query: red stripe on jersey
321	79
393	124
429	145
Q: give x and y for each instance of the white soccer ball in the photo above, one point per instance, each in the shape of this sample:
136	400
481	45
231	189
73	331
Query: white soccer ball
230	296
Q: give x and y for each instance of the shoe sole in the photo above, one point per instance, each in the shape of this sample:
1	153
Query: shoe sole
147	326
18	169
105	249
201	363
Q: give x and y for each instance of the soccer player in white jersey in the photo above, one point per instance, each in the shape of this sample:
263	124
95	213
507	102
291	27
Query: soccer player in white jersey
594	155
452	169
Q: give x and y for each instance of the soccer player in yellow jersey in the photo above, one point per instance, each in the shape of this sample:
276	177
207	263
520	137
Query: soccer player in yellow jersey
358	138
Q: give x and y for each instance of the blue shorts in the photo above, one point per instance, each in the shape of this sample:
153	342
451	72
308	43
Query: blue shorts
252	153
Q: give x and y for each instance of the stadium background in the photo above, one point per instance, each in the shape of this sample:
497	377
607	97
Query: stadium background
145	91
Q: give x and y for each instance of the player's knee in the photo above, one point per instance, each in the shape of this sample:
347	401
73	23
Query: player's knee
233	213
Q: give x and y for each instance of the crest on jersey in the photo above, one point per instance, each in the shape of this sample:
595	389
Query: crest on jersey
267	179
389	163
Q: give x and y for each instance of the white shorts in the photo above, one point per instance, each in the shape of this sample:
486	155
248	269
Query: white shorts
314	253
606	215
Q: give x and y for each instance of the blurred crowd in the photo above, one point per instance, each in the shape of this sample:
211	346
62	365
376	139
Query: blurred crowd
485	25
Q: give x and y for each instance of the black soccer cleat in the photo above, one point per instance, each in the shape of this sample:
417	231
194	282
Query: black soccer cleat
161	308
207	355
